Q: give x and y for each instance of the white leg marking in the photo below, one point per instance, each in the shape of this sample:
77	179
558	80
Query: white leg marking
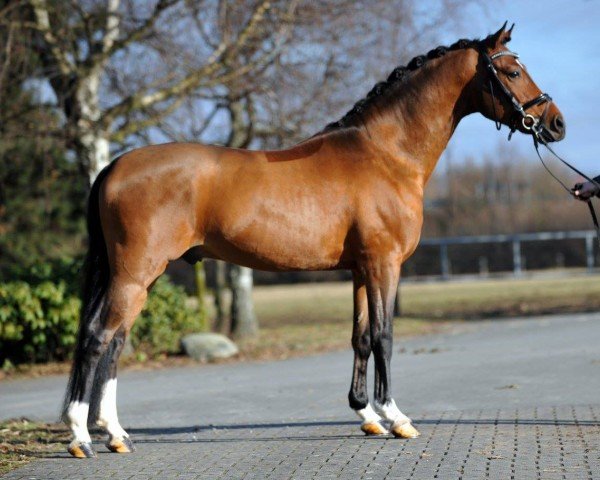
77	415
107	417
371	421
391	412
367	414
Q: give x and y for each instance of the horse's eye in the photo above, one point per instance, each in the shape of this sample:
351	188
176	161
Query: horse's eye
515	74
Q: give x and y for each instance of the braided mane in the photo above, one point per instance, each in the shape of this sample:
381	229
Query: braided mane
398	76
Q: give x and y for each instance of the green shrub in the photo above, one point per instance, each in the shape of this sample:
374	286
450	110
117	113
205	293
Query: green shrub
64	270
39	321
164	320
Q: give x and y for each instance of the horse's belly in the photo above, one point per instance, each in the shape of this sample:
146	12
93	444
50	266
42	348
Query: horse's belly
265	249
280	217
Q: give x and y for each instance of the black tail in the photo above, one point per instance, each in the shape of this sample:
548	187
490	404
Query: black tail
95	284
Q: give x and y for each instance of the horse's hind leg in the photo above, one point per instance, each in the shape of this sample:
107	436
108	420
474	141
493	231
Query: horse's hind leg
92	389
127	299
92	344
106	416
361	343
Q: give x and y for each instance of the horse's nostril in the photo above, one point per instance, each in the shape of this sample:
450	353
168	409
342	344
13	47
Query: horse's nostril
558	124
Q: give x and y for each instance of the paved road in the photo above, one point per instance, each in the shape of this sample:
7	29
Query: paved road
506	399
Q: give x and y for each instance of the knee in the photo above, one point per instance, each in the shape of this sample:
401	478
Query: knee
381	343
362	346
382	337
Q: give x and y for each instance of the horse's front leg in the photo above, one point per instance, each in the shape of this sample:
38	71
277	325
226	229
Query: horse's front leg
361	343
382	280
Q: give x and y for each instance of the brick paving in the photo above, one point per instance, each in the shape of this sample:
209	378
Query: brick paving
526	443
493	400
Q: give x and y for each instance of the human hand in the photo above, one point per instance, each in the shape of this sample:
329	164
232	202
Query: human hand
584	191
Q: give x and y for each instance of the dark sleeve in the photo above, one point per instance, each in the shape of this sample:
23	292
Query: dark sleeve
597	180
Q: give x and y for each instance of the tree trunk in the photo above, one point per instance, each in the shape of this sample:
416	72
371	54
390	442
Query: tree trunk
92	144
93	152
243	319
220	285
201	293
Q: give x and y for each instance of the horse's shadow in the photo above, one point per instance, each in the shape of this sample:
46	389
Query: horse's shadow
311	431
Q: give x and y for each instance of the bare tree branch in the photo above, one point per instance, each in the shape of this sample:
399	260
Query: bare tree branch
121	67
7	54
177	135
149	120
112	26
115	44
197	78
42	18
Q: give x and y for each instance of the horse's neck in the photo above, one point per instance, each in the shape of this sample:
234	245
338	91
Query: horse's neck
417	126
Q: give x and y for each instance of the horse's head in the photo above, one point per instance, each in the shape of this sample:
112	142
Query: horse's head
510	96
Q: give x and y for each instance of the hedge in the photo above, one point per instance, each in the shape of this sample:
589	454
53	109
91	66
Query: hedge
38	322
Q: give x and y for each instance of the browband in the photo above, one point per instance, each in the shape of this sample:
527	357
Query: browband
504	53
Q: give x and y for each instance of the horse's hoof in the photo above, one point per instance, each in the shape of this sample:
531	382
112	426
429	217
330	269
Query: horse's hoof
404	430
373	428
81	450
120	445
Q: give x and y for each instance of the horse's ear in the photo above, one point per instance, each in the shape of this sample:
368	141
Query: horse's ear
506	36
501	37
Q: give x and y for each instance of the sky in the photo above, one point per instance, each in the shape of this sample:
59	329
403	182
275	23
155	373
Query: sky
559	42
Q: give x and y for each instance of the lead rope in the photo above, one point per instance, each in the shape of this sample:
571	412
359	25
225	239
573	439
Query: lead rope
537	139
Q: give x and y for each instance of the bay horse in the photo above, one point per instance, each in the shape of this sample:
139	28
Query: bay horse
350	197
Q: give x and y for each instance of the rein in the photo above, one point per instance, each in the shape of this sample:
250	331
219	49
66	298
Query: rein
537	139
533	124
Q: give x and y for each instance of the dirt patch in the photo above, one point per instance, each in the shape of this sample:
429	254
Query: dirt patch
22	440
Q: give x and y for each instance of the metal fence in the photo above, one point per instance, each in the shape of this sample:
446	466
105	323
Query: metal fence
516	240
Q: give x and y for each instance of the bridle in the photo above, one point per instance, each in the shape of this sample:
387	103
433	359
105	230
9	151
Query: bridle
531	123
528	121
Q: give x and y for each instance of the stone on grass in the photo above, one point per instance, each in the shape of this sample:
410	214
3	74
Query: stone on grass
205	347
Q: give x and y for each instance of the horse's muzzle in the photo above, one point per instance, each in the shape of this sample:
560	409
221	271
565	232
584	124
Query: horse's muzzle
555	130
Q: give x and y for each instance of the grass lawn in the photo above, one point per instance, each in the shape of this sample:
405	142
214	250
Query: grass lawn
308	318
502	297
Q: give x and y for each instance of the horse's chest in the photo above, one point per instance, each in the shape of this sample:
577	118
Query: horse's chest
393	222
